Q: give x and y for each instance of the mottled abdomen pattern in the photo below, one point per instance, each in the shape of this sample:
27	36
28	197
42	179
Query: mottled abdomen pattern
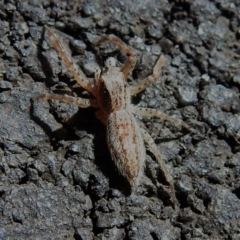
126	145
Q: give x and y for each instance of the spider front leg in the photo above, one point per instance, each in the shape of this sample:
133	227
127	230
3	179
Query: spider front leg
129	65
76	72
153	148
141	85
83	103
154	113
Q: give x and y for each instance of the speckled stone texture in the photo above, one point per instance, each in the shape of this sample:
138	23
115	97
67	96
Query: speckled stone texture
57	180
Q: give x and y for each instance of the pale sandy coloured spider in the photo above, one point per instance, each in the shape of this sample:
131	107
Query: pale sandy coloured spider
112	96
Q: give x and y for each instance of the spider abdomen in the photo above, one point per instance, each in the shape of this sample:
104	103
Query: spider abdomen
126	145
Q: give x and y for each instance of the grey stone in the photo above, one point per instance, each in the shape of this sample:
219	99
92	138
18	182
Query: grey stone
37	14
219	95
51	61
166	44
109	220
12	73
184	185
68	166
90	9
17	160
91	67
83	147
41	113
81	178
176	61
205	79
4	27
153	31
92	38
32	174
224	214
236	78
46	202
5	85
80	23
78	45
35	32
214	116
3	97
16	176
112	233
39	166
139	229
164	230
186	95
186	216
100	185
233	124
17	127
84	234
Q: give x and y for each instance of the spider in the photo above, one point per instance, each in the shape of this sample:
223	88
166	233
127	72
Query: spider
111	95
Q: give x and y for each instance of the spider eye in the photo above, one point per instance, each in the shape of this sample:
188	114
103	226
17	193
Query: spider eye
110	62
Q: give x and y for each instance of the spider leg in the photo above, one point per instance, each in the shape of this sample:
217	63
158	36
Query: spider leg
153	148
83	103
154	113
129	65
141	85
76	72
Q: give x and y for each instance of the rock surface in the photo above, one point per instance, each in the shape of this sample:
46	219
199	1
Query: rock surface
57	180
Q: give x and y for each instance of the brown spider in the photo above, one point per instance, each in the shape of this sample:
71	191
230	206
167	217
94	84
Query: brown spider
112	96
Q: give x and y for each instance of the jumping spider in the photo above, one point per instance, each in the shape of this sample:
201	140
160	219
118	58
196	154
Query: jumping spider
112	96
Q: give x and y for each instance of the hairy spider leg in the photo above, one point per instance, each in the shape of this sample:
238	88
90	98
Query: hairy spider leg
143	84
76	72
